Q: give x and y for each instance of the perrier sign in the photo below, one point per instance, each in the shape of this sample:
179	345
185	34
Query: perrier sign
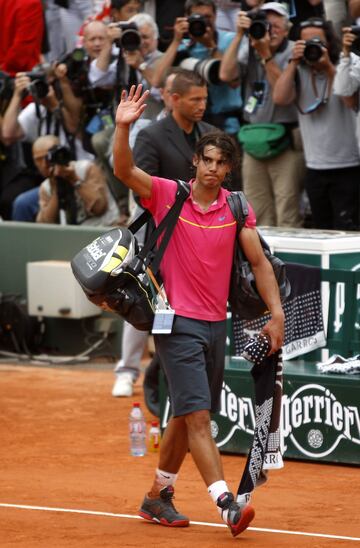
320	418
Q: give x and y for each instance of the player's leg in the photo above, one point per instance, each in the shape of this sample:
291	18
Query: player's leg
157	505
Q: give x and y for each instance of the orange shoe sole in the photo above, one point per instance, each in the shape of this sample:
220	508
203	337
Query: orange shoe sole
247	515
162	521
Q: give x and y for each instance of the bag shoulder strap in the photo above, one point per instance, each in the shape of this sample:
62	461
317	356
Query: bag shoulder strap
140	221
149	253
170	221
146	215
239	208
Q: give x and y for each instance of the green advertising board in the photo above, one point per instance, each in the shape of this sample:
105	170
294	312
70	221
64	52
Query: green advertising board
320	418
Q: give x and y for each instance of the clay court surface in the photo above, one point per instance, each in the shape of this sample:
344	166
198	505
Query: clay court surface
67	478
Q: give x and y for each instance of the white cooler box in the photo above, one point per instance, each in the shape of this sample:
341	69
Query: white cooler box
53	291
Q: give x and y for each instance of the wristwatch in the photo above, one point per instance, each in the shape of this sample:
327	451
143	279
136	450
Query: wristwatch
77	183
142	66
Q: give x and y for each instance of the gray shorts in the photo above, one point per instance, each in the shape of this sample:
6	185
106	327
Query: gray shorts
193	360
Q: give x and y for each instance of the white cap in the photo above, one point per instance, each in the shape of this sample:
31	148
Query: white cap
276	7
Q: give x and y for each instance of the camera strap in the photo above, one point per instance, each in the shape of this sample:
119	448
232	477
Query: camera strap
320	99
120	82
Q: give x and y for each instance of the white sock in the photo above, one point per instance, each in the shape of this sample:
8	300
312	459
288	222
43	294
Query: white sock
165	478
215	490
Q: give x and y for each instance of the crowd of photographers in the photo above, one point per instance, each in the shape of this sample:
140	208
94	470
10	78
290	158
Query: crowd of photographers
283	79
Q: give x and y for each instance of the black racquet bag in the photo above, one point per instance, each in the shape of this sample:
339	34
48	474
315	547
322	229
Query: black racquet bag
117	276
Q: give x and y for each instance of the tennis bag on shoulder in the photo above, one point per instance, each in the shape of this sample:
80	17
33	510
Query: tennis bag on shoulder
117	276
244	298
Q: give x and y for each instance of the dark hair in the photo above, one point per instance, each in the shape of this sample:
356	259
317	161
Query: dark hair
333	41
119	4
189	4
184	79
223	142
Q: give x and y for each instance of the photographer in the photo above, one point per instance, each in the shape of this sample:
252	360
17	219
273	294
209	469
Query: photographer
74	192
55	110
347	78
95	103
138	40
198	46
133	64
327	127
94	38
103	71
272	175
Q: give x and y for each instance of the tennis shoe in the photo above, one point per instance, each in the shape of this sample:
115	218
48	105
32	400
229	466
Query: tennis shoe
123	386
162	510
238	518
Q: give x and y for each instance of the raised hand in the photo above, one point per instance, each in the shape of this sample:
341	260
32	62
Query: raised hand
347	40
131	106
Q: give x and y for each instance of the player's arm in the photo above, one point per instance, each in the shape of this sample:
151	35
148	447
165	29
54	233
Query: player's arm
266	285
129	110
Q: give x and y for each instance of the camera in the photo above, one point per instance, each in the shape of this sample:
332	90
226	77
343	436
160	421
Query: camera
59	155
77	69
313	50
355	29
259	24
130	39
355	46
38	87
197	25
208	69
76	63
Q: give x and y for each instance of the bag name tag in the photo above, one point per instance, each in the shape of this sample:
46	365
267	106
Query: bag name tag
163	321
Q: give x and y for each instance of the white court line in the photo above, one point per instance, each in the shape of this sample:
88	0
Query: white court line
203	523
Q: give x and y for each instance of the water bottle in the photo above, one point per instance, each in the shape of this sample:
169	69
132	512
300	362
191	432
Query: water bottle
154	437
137	431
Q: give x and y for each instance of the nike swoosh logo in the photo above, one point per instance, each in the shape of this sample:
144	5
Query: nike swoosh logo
164	476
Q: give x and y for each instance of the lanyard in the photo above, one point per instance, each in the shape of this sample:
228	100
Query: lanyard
320	99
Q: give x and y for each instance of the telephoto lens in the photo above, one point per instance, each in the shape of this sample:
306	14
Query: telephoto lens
130	39
259	25
313	50
197	25
59	155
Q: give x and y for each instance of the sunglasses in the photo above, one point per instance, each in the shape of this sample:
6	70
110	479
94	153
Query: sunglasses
316	23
